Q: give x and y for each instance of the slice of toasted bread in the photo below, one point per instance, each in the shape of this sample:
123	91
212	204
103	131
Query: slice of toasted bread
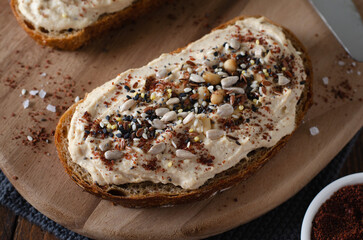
72	39
148	194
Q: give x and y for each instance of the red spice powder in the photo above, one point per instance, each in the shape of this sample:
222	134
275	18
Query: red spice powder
340	217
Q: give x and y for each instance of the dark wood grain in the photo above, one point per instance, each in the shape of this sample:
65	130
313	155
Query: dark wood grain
7	223
19	229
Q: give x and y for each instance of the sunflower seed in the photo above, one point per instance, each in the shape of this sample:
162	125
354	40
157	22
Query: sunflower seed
169	116
105	145
173	101
229	81
184	154
214	134
225	110
236	90
283	80
196	78
127	105
161	111
158	124
188	118
113	155
235	44
157	148
162	73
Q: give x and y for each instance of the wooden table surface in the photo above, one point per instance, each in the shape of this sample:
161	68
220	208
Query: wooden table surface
15	227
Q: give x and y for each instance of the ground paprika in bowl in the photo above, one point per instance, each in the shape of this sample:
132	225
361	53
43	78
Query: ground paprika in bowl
336	212
340	217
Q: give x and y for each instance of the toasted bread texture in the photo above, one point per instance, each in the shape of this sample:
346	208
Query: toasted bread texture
72	39
148	194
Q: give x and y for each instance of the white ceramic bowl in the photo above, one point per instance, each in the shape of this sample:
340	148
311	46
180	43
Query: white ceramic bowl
324	195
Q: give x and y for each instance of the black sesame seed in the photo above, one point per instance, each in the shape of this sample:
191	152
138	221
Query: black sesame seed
128	97
254	108
127	88
302	82
132	91
119	135
110	134
104	130
215	54
108	118
182	95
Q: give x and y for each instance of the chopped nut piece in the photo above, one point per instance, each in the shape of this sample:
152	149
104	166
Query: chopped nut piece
212	78
217	96
230	65
203	93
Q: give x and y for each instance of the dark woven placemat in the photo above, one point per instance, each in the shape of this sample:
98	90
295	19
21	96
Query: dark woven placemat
282	223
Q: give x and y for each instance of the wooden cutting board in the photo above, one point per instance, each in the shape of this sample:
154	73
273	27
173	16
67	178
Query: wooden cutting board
35	171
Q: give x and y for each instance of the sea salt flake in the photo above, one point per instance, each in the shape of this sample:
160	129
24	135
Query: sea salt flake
359	73
43	74
341	63
23	91
33	92
51	108
325	80
314	131
26	104
30	138
76	99
42	93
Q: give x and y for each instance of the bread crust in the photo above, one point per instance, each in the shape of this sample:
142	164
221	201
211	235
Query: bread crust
221	181
76	39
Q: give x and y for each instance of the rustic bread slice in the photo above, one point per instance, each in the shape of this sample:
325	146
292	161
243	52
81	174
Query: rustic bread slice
72	39
148	194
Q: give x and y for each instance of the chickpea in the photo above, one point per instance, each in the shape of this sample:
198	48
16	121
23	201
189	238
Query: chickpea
217	96
203	93
212	78
230	65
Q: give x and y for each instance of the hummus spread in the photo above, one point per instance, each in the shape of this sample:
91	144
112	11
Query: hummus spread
58	15
188	116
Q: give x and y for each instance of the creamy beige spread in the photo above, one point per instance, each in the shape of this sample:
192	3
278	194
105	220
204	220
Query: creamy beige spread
188	116
58	15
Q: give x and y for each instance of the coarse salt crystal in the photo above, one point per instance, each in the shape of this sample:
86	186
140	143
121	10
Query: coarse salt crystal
26	104
23	91
43	74
314	131
42	93
359	73
33	92
341	63
76	99
30	138
51	108
325	80
354	64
